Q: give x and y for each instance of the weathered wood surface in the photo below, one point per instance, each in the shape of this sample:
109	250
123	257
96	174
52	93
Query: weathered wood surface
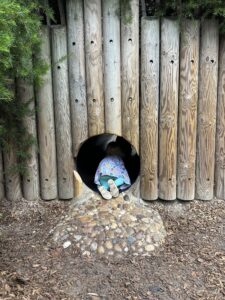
112	80
94	68
168	109
46	125
207	110
149	108
188	97
78	184
77	80
12	178
30	180
2	189
130	75
220	133
62	113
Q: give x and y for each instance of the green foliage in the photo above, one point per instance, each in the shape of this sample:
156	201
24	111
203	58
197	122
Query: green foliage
126	11
20	22
200	9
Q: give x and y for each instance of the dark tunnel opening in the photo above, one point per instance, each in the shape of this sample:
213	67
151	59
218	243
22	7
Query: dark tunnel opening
93	150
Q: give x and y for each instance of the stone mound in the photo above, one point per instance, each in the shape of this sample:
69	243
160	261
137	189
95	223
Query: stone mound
111	228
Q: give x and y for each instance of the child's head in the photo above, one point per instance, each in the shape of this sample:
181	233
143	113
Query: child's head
114	149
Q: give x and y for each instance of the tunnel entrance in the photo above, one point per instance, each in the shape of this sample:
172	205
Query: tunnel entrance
93	150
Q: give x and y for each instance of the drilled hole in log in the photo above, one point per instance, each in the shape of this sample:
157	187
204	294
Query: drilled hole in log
111	41
94	100
172	61
130	99
10	180
93	150
92	42
28	180
58	67
74	43
192	61
151	61
64	178
189	178
76	100
170	179
46	179
208	179
212	61
111	99
129	40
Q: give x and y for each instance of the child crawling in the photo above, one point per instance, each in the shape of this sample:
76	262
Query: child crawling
111	176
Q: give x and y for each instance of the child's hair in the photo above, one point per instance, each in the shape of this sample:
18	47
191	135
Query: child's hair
114	149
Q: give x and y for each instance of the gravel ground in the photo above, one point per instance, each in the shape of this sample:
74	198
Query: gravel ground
190	265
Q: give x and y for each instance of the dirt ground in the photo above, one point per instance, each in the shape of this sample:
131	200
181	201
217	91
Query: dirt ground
190	265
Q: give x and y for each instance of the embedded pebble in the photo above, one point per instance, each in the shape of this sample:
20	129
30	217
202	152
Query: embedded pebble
66	244
111	228
149	248
108	245
94	246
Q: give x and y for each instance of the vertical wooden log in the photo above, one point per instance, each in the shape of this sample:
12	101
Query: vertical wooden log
94	74
130	74
207	110
168	109
188	96
77	79
149	107
46	126
12	178
2	190
30	183
62	113
220	131
112	85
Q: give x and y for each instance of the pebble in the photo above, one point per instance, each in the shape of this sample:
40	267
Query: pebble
66	244
101	250
117	248
108	245
149	248
94	246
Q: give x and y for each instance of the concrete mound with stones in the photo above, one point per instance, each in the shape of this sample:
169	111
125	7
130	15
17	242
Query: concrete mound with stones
110	227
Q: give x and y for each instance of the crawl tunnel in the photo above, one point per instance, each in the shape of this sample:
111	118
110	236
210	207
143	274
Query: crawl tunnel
93	150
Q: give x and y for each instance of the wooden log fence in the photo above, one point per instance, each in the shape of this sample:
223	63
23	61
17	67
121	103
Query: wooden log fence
92	87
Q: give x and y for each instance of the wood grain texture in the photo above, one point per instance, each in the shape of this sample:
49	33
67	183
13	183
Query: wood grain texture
168	109
149	108
62	113
46	125
188	97
112	76
30	181
207	110
220	130
94	71
77	80
2	189
13	188
130	76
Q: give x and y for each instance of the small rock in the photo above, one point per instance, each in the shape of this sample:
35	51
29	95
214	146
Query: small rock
149	248
131	239
101	250
66	244
94	246
78	237
117	248
110	253
126	249
108	245
86	253
114	226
